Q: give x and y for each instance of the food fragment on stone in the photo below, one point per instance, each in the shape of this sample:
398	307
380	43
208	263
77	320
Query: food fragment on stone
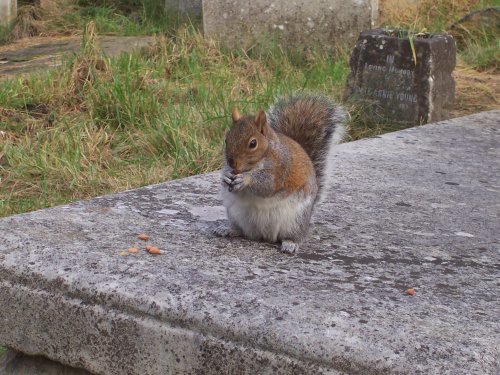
148	247
154	250
143	236
133	250
410	291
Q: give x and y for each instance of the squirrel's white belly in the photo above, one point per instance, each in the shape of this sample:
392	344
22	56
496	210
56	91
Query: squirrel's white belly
270	219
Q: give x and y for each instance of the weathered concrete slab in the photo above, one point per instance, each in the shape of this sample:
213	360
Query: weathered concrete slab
418	208
50	53
301	23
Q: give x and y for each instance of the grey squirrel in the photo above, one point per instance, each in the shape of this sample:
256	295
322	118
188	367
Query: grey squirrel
275	167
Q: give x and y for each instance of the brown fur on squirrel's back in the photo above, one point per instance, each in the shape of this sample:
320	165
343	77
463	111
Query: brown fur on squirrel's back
313	121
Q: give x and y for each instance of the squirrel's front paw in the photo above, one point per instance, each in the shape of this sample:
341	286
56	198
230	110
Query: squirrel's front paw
228	179
235	182
239	182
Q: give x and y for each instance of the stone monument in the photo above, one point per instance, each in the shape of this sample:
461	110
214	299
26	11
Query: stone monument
8	11
408	78
297	24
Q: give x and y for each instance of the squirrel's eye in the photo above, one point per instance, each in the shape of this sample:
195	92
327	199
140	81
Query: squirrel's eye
253	143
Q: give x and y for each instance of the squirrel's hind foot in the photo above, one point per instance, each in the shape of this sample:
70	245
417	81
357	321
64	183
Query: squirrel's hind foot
225	231
289	247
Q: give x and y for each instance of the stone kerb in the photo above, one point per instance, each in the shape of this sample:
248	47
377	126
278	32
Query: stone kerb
412	209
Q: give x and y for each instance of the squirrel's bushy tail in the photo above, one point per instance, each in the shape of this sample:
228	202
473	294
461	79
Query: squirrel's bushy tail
315	122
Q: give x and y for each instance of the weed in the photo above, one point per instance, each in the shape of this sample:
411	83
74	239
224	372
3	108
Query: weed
5	34
482	56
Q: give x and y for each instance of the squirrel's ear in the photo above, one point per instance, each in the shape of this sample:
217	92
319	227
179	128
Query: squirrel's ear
261	122
235	114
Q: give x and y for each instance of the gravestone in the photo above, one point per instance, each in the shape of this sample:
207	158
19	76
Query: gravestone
384	72
298	24
8	11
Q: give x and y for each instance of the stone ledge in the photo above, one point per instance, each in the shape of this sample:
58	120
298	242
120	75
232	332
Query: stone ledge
416	208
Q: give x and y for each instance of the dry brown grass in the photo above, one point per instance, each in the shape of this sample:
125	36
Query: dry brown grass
475	91
89	65
55	11
420	14
44	19
475	25
29	22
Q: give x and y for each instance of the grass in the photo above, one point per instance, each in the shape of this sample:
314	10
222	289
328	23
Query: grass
5	32
478	39
98	126
428	14
69	17
125	17
480	47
